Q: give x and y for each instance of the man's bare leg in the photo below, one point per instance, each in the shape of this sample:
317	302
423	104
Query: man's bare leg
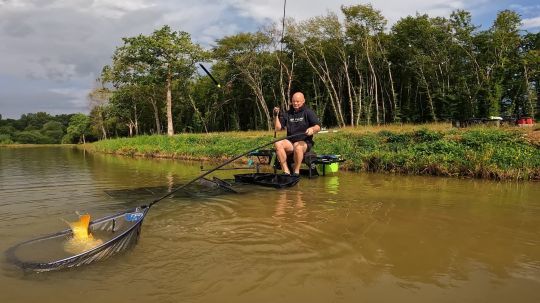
283	148
300	148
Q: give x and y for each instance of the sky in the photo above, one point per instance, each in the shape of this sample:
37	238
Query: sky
51	51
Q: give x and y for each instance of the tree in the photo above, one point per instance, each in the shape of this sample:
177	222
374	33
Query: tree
98	98
125	105
32	137
161	58
33	121
319	42
53	130
498	47
364	28
78	129
251	57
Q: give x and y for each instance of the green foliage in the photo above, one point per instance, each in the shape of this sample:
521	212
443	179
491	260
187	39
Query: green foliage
38	128
34	121
352	69
32	137
5	139
7	130
78	129
425	135
483	152
150	70
53	130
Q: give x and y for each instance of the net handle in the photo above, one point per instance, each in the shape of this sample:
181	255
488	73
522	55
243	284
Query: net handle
218	167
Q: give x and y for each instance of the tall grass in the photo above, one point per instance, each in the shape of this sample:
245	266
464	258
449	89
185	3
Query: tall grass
435	149
184	146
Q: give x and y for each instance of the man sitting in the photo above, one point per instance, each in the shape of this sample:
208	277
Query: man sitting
297	120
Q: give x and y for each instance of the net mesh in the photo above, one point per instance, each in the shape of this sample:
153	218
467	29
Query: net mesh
112	234
268	179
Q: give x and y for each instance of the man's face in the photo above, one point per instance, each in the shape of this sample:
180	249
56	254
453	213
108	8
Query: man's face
297	102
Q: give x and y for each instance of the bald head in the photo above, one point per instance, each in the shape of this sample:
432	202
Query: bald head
298	100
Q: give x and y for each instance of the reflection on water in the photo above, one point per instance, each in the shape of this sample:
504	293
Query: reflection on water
289	202
331	184
345	237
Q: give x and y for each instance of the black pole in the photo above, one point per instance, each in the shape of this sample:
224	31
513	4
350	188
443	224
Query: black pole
210	75
216	168
275	154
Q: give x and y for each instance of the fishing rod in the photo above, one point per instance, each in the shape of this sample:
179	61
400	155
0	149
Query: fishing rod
124	228
328	131
217	168
274	116
210	75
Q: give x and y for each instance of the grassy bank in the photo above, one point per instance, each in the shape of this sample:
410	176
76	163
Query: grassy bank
491	153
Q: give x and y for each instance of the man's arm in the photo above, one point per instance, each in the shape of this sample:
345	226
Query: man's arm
315	125
313	130
277	120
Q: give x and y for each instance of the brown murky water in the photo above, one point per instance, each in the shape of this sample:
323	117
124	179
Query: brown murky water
344	238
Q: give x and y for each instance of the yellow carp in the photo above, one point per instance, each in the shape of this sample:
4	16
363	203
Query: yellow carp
82	239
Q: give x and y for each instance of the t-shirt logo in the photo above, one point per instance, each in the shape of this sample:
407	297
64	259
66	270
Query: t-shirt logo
296	119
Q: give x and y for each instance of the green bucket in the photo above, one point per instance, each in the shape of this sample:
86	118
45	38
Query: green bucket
329	168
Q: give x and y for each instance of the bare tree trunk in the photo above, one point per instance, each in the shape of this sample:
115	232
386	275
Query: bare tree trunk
393	100
383	104
431	107
289	84
530	104
255	83
281	85
318	98
285	92
203	121
170	129
359	100
103	131
333	91
360	85
102	123
156	115
135	119
345	62
130	127
374	83
322	73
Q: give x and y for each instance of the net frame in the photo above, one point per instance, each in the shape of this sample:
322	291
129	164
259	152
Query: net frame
121	242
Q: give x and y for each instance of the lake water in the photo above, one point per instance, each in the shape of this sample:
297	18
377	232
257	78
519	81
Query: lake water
350	237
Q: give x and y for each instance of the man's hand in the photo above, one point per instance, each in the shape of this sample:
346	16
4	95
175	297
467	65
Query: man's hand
309	131
276	111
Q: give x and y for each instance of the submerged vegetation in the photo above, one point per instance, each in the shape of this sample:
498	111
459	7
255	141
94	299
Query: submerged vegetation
500	154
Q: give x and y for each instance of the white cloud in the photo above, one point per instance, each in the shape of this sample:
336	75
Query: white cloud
63	44
393	10
531	23
75	96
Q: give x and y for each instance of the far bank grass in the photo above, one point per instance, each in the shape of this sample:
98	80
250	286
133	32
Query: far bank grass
435	149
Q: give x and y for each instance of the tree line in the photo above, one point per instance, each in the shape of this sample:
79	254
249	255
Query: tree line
42	128
353	69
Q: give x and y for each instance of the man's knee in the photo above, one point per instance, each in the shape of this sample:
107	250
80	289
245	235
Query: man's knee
284	145
300	147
